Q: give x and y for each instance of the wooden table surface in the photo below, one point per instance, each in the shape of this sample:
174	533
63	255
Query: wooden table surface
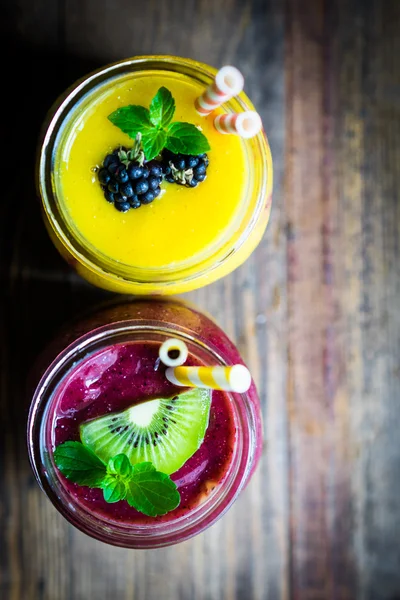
315	310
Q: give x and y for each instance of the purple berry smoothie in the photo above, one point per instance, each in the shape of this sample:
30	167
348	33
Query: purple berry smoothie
104	362
116	378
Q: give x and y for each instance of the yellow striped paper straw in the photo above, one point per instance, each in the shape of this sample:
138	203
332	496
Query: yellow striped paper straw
173	352
229	379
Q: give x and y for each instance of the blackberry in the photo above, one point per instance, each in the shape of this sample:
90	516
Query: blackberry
200	170
180	163
153	182
128	182
192	162
147	197
113	186
104	176
109	160
166	169
109	196
141	187
185	169
135	203
122	176
135	171
121	198
127	189
155	168
122	206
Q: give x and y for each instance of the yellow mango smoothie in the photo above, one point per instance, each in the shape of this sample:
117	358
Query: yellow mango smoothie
160	226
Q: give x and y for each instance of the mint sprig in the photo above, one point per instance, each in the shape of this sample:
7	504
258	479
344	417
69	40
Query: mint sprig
154	142
157	131
184	138
144	488
79	464
150	491
120	466
132	120
114	489
162	108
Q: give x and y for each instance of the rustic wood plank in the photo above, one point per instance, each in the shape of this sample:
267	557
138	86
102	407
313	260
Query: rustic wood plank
37	295
229	560
318	468
314	310
342	208
368	152
20	519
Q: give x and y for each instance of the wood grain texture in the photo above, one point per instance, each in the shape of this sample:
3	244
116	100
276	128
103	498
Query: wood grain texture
314	311
342	307
321	552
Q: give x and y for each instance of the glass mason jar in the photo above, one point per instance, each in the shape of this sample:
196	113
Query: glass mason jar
219	259
141	320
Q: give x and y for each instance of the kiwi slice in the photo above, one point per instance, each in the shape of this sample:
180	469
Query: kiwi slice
164	431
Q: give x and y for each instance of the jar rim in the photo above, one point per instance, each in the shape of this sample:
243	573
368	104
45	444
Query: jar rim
191	275
144	536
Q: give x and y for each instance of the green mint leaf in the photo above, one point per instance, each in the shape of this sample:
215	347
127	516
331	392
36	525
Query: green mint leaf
185	138
151	492
143	467
79	464
120	465
162	108
114	489
153	142
132	120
